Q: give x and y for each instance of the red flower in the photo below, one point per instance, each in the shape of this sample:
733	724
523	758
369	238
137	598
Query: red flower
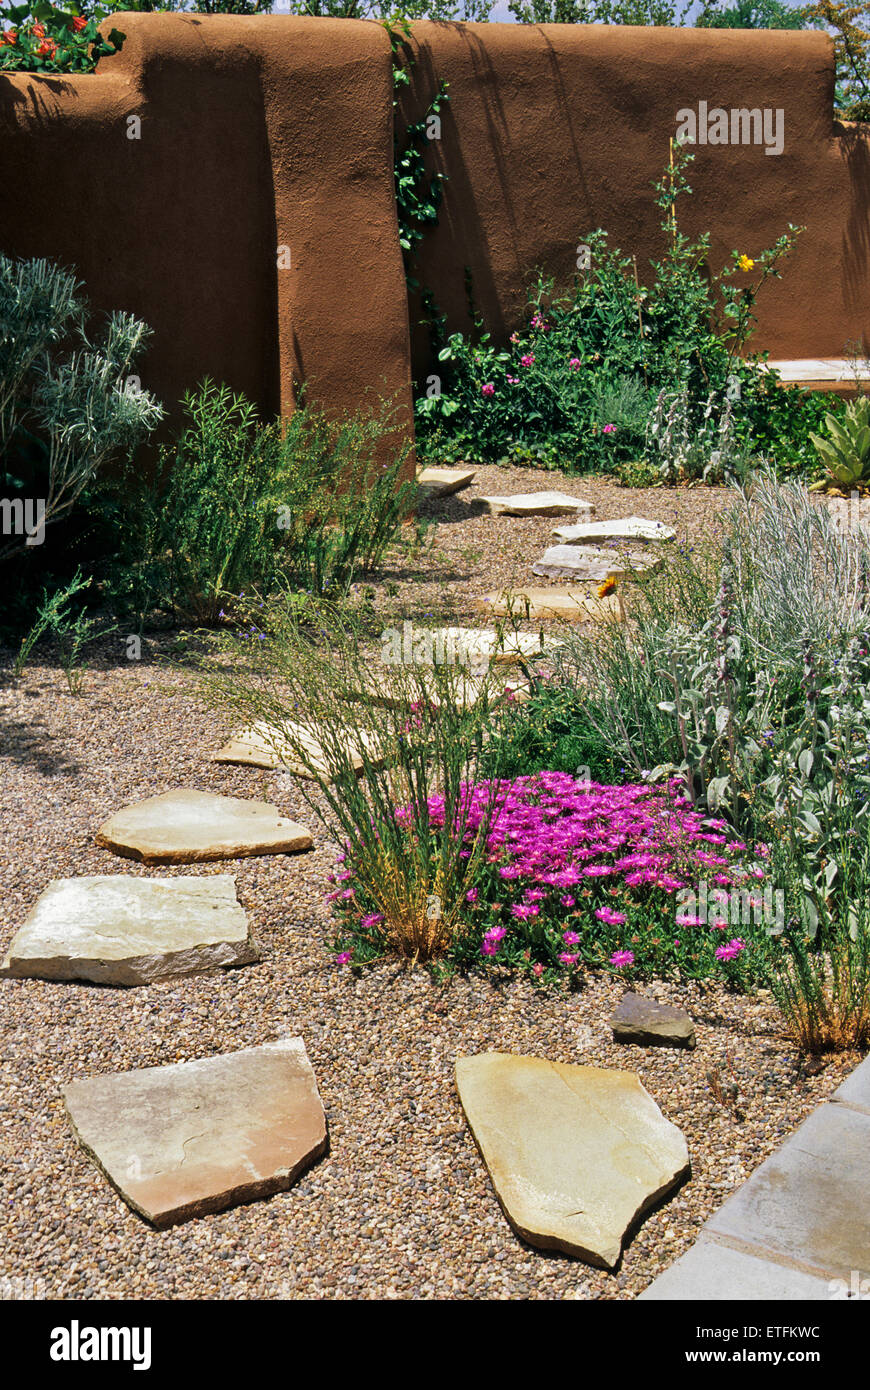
46	49
9	37
38	31
78	23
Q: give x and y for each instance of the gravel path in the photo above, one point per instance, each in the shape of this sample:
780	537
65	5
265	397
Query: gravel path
402	1206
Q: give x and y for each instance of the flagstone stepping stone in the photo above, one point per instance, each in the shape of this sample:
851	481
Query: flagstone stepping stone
441	482
464	645
644	1021
575	605
116	930
632	528
538	504
189	827
575	1153
190	1138
586	563
262	745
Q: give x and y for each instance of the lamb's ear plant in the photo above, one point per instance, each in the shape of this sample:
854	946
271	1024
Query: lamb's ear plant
378	739
818	966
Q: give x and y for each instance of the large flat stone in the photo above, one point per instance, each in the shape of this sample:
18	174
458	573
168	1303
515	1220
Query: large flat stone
196	1137
573	605
467	645
441	482
119	930
261	745
650	1024
810	1201
538	504
586	563
631	528
187	827
575	1153
711	1273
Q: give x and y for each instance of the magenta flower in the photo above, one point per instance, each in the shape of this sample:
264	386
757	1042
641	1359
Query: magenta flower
568	901
621	958
566	959
344	958
689	919
372	920
524	910
613	919
731	951
570	938
575	364
528	360
513	381
609	429
471	895
488	389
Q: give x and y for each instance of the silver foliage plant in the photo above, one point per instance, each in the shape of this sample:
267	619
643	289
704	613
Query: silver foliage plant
680	450
68	396
759	694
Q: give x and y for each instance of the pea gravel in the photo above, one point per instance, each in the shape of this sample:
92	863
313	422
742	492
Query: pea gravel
402	1206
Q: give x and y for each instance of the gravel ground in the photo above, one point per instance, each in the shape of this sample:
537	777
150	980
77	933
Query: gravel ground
402	1206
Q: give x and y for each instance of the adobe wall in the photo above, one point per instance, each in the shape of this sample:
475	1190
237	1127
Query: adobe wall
553	131
270	131
256	133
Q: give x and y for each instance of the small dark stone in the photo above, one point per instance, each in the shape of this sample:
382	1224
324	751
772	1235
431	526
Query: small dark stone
650	1024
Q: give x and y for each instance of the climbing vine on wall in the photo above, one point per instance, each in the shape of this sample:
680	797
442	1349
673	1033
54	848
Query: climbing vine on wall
418	191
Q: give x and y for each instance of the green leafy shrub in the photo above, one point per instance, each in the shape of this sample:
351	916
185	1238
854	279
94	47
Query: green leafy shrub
612	344
549	732
236	504
850	26
749	14
41	37
68	406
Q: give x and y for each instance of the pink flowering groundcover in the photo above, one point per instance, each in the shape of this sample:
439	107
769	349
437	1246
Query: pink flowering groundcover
575	875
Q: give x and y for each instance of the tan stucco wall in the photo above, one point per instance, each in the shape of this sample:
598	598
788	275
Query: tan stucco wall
267	131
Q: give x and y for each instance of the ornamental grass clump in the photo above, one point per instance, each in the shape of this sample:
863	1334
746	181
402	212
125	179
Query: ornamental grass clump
380	745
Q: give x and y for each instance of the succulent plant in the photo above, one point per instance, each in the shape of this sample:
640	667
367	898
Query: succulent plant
846	455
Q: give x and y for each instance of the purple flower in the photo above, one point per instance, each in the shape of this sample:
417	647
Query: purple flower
613	919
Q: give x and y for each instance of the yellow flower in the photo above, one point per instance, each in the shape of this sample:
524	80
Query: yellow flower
746	262
606	588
